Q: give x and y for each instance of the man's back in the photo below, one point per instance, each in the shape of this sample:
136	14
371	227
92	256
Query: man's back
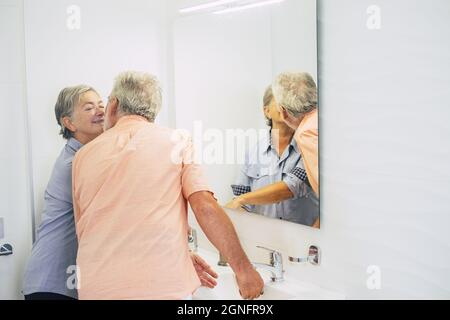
131	214
307	136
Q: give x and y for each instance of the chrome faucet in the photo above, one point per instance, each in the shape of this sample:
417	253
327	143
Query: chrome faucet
275	266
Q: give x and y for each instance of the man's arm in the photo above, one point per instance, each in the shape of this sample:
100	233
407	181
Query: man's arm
220	231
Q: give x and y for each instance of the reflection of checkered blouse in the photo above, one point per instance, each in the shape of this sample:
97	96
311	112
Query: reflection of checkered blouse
263	167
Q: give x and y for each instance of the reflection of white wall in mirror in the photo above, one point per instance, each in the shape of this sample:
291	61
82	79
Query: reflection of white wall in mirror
208	5
222	66
252	5
2	232
294	37
225	6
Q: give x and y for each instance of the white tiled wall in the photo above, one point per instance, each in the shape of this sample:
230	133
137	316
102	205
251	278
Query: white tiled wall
15	207
385	150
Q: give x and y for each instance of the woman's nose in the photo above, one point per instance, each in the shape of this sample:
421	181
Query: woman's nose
100	111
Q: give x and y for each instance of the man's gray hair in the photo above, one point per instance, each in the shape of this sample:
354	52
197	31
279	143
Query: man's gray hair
67	99
138	93
296	92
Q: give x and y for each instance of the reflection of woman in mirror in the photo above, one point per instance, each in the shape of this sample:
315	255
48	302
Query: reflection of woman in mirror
273	181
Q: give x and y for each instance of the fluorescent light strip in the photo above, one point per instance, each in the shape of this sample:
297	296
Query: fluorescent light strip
207	6
249	6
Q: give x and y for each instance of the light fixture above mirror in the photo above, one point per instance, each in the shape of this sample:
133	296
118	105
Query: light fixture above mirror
227	6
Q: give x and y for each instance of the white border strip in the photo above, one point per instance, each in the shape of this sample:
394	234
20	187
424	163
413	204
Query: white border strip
29	149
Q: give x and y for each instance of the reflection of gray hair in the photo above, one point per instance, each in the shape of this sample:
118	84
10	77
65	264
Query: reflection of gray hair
138	93
67	99
296	92
268	97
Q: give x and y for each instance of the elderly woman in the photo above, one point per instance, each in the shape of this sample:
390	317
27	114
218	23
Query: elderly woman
80	113
273	181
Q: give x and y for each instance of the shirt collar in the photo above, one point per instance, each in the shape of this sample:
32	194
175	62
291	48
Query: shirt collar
294	144
130	118
266	144
74	144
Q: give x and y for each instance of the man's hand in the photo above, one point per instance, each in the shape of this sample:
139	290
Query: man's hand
250	283
220	231
204	271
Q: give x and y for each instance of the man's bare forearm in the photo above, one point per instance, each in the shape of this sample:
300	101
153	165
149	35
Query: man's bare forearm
219	229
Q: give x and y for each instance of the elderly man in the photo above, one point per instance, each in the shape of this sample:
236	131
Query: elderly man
296	97
130	200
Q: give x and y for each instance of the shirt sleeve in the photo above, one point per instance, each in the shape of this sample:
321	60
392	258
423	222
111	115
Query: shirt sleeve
242	185
192	177
297	181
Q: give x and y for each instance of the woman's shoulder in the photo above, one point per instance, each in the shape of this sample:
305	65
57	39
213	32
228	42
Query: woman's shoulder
59	186
62	168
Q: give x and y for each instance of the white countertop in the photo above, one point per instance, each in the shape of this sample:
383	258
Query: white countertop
289	289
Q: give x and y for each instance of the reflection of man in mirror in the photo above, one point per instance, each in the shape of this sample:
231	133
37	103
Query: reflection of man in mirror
273	181
296	98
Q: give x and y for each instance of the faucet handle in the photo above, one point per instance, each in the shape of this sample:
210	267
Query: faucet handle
272	251
275	255
267	249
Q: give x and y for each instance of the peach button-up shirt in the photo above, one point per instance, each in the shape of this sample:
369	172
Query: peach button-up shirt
307	138
130	205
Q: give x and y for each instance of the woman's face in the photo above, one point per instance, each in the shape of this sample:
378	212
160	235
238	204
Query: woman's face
271	112
88	116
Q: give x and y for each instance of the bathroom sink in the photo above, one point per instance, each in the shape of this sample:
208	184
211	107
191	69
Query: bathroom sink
289	289
227	289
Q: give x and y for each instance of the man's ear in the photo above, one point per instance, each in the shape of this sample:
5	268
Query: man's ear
284	114
67	123
113	107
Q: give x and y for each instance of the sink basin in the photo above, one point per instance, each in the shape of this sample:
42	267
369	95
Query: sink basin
290	289
227	289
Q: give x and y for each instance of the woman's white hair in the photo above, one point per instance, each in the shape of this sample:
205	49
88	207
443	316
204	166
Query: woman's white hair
138	93
295	92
